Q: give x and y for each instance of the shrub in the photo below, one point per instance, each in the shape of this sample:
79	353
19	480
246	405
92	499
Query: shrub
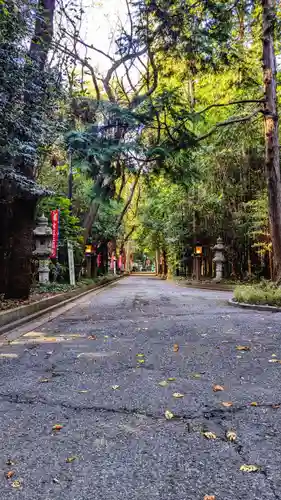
265	292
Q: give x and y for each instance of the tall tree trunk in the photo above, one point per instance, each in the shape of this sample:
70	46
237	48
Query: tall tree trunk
165	263
129	200
4	243
90	219
22	224
23	211
272	159
157	261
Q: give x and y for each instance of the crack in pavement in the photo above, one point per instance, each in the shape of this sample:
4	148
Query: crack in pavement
218	415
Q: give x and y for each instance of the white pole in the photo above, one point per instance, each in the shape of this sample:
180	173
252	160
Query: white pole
71	263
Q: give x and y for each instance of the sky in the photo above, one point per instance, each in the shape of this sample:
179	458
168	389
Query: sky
100	21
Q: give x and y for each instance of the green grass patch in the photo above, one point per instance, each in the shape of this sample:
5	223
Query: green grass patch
265	293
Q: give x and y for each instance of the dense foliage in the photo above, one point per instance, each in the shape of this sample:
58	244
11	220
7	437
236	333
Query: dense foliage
165	149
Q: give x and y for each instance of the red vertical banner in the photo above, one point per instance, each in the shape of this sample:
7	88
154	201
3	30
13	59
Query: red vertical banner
55	233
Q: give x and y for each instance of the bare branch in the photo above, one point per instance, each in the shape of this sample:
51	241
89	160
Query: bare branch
84	62
138	99
115	66
225	123
129	201
230	103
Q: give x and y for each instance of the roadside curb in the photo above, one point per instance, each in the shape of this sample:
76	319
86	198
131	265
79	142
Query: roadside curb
212	288
254	307
16	317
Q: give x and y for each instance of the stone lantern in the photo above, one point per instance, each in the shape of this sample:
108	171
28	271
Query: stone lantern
43	239
219	259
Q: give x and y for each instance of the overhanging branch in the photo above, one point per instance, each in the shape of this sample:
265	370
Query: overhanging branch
231	121
230	103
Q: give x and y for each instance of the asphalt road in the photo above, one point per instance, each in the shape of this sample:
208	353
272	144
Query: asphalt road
120	445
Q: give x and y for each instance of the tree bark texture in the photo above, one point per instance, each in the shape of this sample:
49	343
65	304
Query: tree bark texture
272	158
19	277
4	243
22	222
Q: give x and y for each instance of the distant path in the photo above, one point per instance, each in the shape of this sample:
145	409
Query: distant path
125	448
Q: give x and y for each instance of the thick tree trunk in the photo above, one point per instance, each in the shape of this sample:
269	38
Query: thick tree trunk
272	159
104	258
157	261
165	264
90	219
23	210
4	244
94	267
19	277
130	198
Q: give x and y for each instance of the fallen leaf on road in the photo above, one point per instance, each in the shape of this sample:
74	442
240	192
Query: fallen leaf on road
273	355
115	387
92	337
227	404
70	459
164	383
275	406
140	360
178	395
10	462
10	474
217	388
44	380
140	355
83	391
254	403
106	336
57	427
176	347
171	379
249	468
209	435
209	497
231	436
168	414
16	484
243	348
196	375
55	480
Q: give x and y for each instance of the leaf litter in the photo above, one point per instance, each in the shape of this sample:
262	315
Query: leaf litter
16	484
250	468
57	427
168	415
178	395
209	435
217	388
231	436
10	474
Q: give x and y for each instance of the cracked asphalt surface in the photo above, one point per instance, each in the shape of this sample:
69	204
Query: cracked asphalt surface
124	448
